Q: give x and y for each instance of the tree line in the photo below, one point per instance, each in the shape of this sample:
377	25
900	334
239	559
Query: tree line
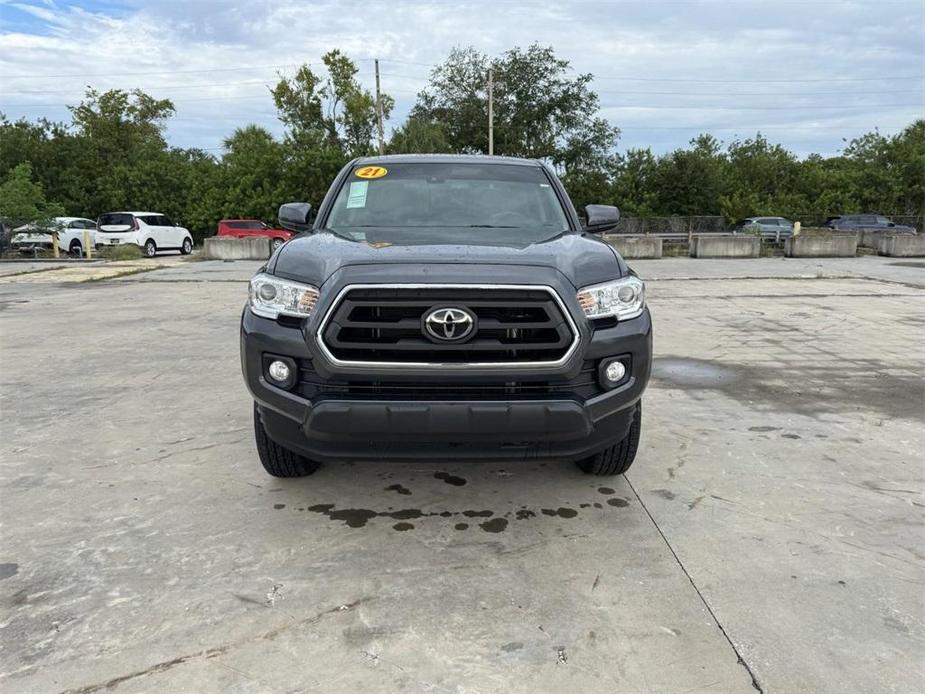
113	154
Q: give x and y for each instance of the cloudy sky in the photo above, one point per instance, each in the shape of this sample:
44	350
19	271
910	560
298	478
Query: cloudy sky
807	73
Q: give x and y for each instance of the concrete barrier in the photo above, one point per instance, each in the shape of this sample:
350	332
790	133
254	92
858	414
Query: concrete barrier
726	247
902	245
870	238
636	247
822	245
230	248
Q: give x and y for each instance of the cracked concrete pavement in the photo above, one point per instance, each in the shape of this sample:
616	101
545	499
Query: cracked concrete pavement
770	534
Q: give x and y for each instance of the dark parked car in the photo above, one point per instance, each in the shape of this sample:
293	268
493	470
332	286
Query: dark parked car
446	306
770	227
867	222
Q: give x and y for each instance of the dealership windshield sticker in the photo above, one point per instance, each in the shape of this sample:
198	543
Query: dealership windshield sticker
371	172
357	195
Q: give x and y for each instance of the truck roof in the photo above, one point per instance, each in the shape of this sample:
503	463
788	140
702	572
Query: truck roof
445	159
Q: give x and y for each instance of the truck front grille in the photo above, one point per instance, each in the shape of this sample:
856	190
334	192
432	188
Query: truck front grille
583	387
385	325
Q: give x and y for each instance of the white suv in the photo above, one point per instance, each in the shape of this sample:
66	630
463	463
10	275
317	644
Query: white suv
70	235
151	231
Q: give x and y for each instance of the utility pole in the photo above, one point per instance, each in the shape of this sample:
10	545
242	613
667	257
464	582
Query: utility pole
379	112
491	112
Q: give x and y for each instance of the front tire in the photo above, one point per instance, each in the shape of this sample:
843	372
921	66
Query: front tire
274	244
187	246
76	250
150	248
279	461
616	459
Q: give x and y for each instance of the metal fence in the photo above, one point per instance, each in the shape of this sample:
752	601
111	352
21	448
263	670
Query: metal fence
682	228
671	226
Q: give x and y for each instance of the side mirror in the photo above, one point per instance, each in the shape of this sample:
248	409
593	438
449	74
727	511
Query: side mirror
294	216
601	218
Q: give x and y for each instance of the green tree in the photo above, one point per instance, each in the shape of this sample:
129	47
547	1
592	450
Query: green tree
249	183
691	181
418	136
336	112
634	183
540	110
23	201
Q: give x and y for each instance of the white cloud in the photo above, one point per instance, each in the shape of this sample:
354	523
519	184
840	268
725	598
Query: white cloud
783	56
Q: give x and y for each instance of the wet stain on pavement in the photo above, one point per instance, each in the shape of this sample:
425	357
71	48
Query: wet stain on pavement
664	493
478	514
398	489
359	517
765	428
450	479
495	525
791	436
562	512
8	569
605	490
279	506
696	373
512	646
807	389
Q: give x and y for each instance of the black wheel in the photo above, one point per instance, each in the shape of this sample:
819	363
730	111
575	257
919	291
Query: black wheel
187	246
150	249
275	243
616	459
279	461
76	249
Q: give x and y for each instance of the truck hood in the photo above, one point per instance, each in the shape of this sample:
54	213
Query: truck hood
583	259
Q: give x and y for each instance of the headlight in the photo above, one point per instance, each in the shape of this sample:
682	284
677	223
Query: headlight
272	297
623	299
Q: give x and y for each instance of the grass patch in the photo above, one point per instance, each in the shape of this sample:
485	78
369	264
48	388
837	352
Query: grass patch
126	251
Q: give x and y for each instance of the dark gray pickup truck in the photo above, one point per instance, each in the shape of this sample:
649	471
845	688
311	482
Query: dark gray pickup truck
446	306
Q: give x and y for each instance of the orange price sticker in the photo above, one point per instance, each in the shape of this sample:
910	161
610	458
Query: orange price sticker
371	172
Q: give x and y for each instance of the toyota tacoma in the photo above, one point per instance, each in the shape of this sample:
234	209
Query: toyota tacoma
446	306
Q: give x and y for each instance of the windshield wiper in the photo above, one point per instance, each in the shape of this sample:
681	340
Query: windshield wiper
336	233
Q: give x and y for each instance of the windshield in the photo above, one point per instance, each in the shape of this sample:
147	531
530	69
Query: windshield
447	203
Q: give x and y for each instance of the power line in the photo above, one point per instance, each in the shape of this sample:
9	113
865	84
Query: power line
762	80
163	72
161	86
754	80
698	107
689	107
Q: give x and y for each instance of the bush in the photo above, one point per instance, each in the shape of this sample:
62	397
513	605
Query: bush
127	251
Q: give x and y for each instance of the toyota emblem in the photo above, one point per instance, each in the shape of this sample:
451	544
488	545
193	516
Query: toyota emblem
448	324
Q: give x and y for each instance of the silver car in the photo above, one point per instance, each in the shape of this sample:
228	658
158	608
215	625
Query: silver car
776	228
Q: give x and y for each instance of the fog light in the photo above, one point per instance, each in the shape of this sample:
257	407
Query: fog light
614	372
279	371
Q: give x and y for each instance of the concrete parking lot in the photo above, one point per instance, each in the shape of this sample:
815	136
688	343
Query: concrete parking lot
770	535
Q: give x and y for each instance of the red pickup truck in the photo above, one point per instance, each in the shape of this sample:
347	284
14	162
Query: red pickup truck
242	228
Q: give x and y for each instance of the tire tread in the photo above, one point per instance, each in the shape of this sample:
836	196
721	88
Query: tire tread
616	459
279	461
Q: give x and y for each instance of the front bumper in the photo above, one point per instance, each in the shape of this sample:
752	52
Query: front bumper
553	421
